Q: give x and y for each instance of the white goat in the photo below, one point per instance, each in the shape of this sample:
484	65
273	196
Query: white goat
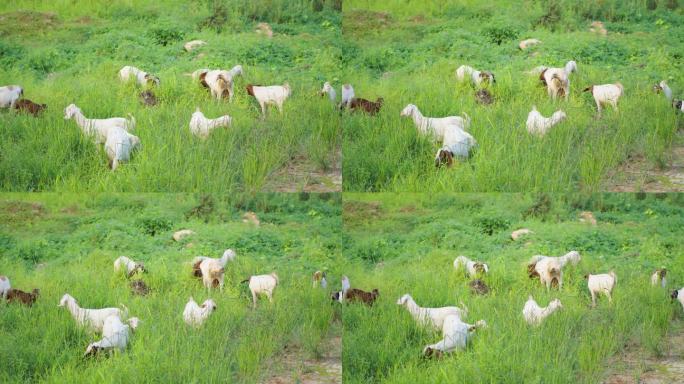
98	128
472	267
347	96
340	295
201	127
432	317
4	286
476	77
573	257
603	283
115	335
141	77
434	126
534	314
213	273
191	45
195	315
550	269
457	143
9	95
662	86
456	335
606	94
330	91
274	94
131	266
678	295
539	125
93	319
196	74
262	284
228	255
557	80
658	277
119	145
219	82
528	43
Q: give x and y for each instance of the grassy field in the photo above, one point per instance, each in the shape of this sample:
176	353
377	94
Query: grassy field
64	52
407	52
406	243
67	243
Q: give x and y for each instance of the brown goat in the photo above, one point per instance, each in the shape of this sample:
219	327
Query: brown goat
24	297
479	287
147	97
26	105
368	106
357	295
138	287
203	81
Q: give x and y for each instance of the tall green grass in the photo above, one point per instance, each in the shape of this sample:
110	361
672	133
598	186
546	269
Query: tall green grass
76	60
407	52
67	243
404	243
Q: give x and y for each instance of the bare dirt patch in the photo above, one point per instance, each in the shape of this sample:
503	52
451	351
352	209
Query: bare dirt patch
637	174
300	175
26	21
20	211
638	366
294	367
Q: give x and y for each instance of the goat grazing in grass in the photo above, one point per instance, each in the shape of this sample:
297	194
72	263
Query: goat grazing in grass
663	87
370	107
678	295
28	106
457	143
534	314
476	77
330	91
201	127
606	94
119	146
26	298
319	279
658	277
275	94
131	266
91	318
456	335
539	125
262	284
603	283
9	95
472	268
141	77
347	96
99	129
361	296
434	127
195	314
432	317
115	336
228	255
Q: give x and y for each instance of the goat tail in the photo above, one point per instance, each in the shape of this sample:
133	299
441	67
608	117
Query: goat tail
131	122
588	89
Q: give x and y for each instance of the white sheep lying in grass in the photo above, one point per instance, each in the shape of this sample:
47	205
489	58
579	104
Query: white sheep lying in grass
93	319
476	77
606	94
141	77
539	125
457	143
678	295
658	277
195	315
432	317
274	94
534	314
603	283
119	145
456	335
4	286
9	95
115	335
434	127
131	266
472	267
262	284
330	91
99	129
201	127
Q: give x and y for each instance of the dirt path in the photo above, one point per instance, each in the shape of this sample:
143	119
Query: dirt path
637	174
293	367
299	175
637	366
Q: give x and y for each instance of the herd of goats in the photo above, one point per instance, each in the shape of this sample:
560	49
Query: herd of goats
451	131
